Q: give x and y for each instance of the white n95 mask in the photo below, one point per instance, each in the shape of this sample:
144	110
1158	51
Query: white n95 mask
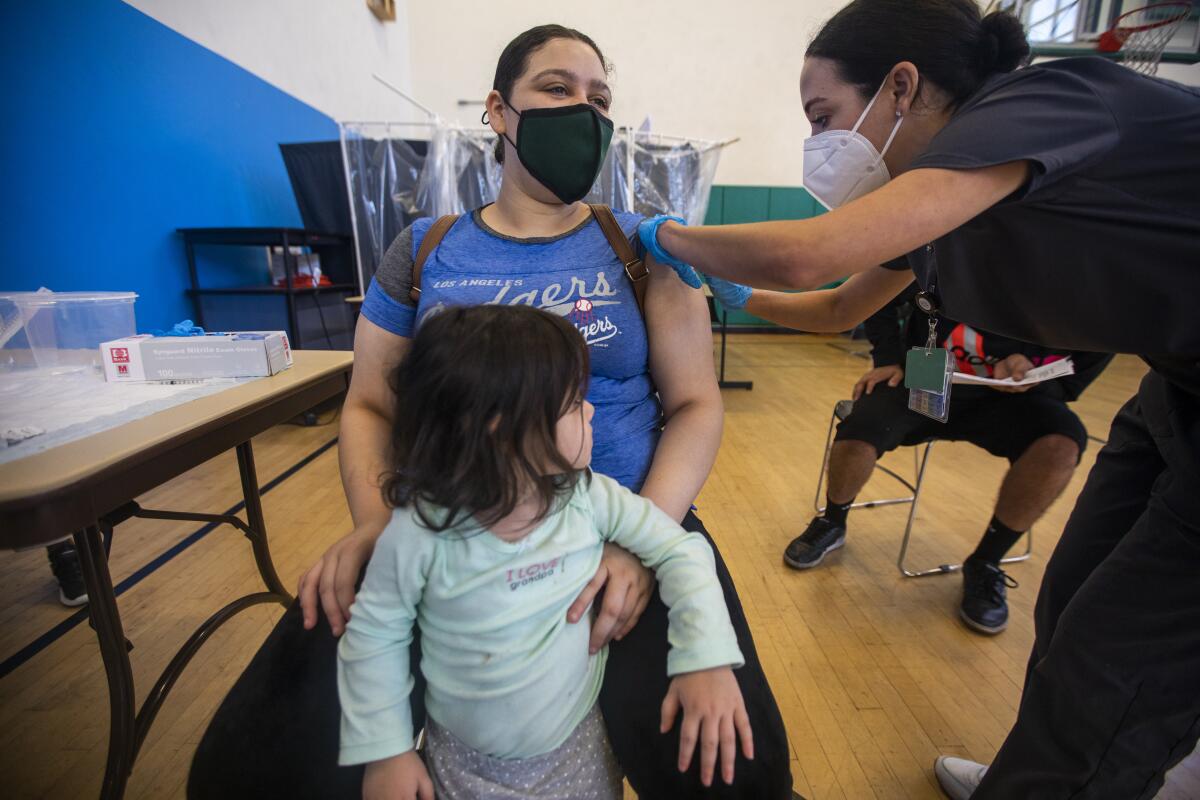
840	166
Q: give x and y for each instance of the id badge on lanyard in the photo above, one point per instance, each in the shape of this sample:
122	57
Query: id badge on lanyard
929	370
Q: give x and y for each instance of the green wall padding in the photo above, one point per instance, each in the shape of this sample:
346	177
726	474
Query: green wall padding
787	203
715	198
728	205
745	204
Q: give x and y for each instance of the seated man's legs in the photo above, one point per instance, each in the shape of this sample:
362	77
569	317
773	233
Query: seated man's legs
879	423
1043	440
1039	434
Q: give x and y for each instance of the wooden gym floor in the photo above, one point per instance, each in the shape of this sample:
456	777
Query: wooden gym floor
874	673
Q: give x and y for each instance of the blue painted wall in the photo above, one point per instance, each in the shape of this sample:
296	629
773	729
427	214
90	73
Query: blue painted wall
117	131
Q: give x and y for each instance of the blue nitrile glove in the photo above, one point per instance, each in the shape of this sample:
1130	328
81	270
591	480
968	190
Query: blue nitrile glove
648	233
184	328
733	296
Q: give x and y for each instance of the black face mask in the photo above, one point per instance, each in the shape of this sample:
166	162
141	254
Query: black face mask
563	147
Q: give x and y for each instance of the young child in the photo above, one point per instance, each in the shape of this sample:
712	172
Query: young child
498	525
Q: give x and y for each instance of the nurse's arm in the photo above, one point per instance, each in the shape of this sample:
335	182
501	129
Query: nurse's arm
911	210
831	310
681	364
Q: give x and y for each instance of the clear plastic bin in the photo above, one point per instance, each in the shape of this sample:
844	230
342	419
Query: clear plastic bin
14	346
65	329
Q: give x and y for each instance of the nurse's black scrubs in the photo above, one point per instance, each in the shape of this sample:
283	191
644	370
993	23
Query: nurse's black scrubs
1099	251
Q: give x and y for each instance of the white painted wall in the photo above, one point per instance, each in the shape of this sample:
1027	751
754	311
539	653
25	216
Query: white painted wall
320	51
707	68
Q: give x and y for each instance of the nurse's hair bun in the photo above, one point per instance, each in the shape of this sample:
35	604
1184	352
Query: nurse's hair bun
1002	43
955	48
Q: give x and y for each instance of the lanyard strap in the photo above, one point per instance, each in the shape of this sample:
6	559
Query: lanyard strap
927	300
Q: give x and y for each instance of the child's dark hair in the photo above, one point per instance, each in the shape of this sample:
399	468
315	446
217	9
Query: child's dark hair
478	398
514	60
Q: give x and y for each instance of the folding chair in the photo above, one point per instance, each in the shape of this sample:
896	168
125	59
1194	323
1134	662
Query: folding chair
920	462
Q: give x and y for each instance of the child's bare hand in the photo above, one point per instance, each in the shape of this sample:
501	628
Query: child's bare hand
401	777
714	715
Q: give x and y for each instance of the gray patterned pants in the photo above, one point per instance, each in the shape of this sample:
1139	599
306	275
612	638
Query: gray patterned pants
581	768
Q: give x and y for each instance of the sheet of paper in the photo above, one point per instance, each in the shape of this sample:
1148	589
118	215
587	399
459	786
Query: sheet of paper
40	409
1047	372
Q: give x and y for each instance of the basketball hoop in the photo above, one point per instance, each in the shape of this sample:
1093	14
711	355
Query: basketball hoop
1141	35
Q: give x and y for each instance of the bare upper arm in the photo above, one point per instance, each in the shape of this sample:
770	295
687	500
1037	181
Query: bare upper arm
376	354
680	340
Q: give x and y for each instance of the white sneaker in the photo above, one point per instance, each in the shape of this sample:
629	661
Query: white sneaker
958	777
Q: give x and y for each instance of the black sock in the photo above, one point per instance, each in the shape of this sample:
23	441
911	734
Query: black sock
59	548
996	542
835	512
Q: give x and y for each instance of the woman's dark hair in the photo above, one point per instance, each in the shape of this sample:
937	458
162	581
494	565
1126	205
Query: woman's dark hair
948	40
515	60
477	400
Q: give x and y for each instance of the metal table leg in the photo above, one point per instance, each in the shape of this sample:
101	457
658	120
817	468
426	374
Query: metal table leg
102	607
254	515
127	728
721	382
255	529
165	682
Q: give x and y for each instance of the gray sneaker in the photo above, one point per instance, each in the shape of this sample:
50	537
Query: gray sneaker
958	777
820	539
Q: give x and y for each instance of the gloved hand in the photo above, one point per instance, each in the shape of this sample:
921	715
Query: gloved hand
733	296
648	233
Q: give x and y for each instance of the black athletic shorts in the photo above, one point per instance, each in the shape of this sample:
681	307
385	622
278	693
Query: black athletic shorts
1002	423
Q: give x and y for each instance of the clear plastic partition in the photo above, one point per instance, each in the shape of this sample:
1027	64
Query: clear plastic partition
397	172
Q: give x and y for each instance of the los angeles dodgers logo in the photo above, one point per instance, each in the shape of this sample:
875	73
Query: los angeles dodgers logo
583	311
582	304
594	330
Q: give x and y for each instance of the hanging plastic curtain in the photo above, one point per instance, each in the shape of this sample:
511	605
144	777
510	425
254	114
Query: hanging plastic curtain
383	168
460	173
399	172
649	174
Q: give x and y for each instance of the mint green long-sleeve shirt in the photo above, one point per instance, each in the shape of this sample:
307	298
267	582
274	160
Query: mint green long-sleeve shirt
505	672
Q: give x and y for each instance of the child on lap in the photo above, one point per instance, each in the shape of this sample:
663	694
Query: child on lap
498	525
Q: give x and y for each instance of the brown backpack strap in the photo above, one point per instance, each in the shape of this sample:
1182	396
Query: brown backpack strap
433	237
635	268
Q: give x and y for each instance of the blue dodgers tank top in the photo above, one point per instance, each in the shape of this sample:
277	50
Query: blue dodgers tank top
577	276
